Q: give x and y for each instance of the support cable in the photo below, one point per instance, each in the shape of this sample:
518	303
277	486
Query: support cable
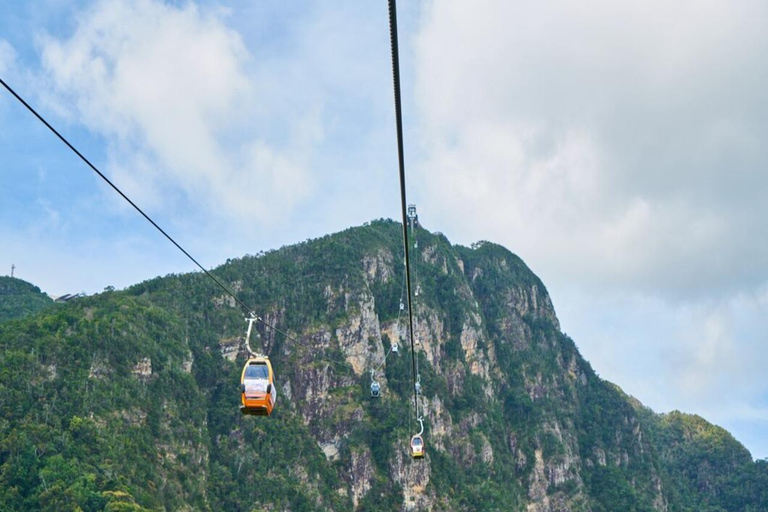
394	343
221	285
107	180
401	163
417	385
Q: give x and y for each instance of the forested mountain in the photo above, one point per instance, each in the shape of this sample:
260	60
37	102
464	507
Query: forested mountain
19	298
128	400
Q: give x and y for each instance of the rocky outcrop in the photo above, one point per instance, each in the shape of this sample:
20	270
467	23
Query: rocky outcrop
361	473
231	347
143	369
379	266
520	317
360	338
413	477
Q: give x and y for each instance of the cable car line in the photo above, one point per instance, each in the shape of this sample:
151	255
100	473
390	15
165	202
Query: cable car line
103	177
401	164
393	345
417	384
302	344
249	311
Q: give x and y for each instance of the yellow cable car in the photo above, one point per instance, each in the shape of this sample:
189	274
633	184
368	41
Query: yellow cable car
417	442
417	447
257	387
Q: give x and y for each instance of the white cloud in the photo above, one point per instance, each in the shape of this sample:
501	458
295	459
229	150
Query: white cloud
706	357
722	354
617	147
7	57
169	90
604	143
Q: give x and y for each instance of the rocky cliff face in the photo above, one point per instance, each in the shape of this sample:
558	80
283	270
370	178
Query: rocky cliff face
514	418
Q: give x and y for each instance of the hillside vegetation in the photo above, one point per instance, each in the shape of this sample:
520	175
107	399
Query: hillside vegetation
128	400
19	298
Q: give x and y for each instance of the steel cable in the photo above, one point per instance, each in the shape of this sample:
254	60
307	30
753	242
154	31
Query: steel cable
221	285
401	166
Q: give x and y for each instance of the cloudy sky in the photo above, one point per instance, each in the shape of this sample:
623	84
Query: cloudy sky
618	148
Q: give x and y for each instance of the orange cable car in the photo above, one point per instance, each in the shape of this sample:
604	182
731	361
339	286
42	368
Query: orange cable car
257	387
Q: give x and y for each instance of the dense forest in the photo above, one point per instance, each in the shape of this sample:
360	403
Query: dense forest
128	400
19	298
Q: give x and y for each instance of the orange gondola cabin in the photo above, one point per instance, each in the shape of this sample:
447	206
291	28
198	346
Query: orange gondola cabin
257	387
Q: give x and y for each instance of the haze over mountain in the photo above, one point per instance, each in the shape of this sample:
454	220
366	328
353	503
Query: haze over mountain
128	400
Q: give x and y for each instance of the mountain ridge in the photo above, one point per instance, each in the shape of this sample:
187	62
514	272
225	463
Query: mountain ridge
18	298
515	418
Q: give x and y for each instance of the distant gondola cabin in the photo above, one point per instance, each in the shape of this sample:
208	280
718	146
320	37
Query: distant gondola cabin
257	387
417	447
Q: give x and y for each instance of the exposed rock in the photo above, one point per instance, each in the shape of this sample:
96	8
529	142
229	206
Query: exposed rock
600	454
659	501
470	336
455	377
143	368
134	416
99	368
535	387
360	339
575	372
225	300
273	317
537	488
286	390
530	301
460	263
396	331
331	450
378	267
327	416
230	347
360	473
413	476
50	371
440	422
186	364
429	330
563	470
486	451
431	256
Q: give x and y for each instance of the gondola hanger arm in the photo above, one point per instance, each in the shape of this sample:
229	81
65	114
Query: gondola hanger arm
250	320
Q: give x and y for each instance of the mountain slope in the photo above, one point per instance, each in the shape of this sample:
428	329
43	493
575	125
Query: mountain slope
19	298
128	400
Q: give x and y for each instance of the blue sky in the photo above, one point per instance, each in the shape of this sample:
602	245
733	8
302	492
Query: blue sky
620	153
